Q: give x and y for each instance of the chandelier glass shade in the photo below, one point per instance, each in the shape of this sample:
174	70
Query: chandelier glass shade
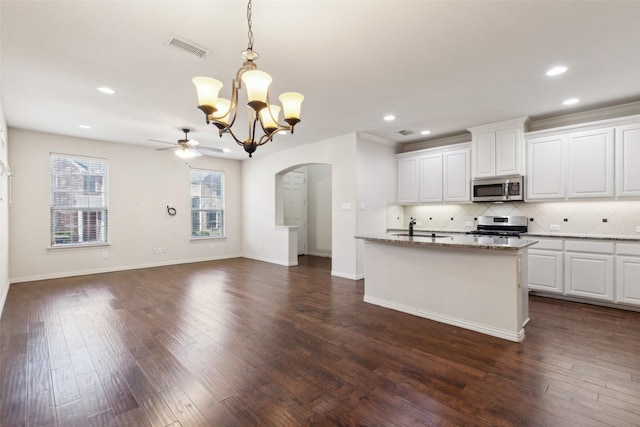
263	117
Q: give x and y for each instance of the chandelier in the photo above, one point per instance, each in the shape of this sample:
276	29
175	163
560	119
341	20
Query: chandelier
263	117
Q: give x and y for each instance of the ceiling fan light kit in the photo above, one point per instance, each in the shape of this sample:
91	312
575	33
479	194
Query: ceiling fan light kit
186	147
222	112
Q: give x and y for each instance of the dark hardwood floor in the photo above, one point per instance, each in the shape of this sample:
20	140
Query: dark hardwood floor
245	343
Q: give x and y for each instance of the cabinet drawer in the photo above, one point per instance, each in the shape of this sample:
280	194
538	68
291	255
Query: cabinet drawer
628	249
588	246
549	244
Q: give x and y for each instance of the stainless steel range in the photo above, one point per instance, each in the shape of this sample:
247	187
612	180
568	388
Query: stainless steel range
504	226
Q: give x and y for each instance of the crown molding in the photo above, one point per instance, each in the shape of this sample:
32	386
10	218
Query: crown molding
584	117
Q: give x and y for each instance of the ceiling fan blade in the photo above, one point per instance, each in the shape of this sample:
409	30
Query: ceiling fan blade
163	142
167	148
217	150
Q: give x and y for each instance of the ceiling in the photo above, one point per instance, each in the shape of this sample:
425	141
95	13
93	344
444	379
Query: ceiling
443	66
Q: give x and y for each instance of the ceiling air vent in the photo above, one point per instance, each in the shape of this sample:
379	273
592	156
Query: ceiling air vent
188	47
405	132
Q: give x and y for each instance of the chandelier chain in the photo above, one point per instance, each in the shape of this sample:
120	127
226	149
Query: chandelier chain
250	33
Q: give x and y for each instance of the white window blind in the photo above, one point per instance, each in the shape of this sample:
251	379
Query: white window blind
207	203
79	202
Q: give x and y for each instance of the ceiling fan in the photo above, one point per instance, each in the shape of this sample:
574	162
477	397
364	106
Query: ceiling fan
185	148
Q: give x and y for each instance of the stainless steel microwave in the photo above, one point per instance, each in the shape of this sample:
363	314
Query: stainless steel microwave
499	189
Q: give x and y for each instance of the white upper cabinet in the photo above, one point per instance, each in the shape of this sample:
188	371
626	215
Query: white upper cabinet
545	168
497	148
435	175
509	144
628	161
408	180
456	185
572	165
484	155
430	178
590	163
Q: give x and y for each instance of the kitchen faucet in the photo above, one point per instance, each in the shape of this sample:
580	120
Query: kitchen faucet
412	222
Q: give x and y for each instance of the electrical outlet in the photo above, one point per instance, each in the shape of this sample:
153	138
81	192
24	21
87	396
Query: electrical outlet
163	251
105	254
637	228
469	223
418	223
554	227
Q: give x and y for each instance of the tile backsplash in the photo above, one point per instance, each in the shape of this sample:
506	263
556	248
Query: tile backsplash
610	218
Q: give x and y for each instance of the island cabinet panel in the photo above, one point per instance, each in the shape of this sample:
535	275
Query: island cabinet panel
589	269
628	273
408	180
590	163
628	161
479	289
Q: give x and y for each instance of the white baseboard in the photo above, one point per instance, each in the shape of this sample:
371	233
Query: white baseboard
478	327
270	260
60	275
347	275
320	254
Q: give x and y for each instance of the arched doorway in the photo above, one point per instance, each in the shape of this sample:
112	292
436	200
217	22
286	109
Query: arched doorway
303	200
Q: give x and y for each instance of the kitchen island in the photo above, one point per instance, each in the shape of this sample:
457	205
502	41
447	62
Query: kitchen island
474	282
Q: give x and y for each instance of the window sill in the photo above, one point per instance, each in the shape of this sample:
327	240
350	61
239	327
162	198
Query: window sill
197	239
72	246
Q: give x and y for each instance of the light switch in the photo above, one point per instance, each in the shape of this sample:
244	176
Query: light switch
346	206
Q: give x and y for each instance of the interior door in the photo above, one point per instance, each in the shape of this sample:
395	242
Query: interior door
295	201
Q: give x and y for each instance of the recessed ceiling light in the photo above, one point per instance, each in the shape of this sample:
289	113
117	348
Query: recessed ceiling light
425	132
106	90
556	71
389	118
225	150
84	126
570	101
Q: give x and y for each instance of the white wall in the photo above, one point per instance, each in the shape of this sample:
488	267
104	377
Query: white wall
260	238
376	189
142	182
4	212
319	208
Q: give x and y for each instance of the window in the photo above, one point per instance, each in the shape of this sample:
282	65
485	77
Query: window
79	213
207	203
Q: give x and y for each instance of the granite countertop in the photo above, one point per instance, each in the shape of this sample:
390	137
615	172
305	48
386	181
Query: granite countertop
457	240
542	235
620	238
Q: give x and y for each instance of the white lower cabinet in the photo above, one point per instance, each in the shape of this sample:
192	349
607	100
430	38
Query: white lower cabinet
628	273
589	269
586	269
546	266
